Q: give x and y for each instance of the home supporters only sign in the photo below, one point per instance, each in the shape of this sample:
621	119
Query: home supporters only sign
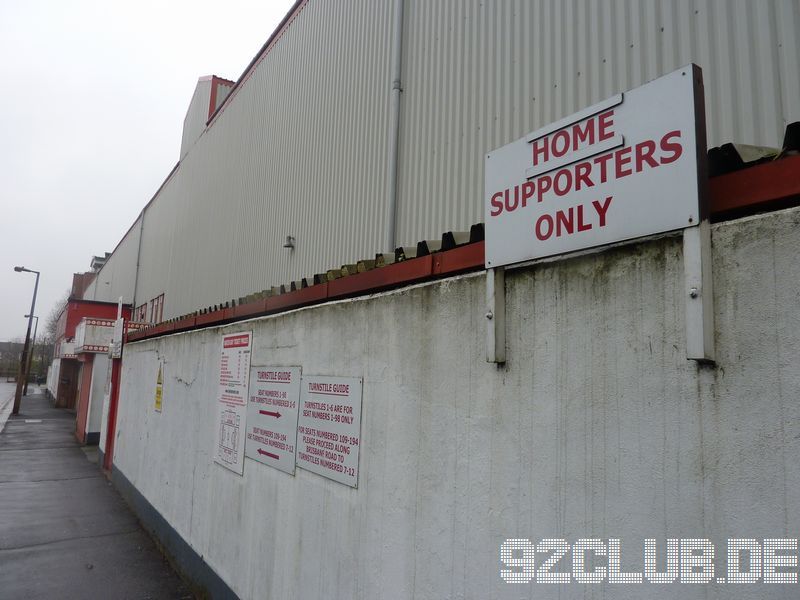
630	166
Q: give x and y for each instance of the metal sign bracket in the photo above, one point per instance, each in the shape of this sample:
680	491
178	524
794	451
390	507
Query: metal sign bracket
699	292
495	315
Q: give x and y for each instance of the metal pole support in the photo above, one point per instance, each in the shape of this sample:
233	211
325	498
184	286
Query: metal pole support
495	315
25	349
699	292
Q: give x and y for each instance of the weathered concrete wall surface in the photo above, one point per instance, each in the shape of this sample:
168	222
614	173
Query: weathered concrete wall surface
597	426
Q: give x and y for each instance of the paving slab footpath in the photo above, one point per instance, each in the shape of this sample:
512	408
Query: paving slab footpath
65	532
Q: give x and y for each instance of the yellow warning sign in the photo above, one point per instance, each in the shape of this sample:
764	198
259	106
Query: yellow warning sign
159	388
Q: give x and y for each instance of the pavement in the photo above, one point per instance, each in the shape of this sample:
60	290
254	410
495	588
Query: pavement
65	532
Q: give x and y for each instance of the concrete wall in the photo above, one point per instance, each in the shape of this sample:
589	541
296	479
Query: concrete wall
597	426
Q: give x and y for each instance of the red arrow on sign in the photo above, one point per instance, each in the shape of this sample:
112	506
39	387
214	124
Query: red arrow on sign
270	454
269	413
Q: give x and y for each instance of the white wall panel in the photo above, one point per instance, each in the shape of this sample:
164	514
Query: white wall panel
196	115
301	146
478	74
300	150
117	276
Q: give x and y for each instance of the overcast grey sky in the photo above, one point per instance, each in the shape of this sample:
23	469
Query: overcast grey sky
91	113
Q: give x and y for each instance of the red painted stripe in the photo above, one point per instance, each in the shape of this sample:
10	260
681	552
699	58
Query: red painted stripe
259	307
209	318
401	273
185	323
458	260
756	188
302	297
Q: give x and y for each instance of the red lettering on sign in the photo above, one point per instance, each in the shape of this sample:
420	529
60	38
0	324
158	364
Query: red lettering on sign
528	189
497	204
560	149
581	225
573	137
598	170
602	209
540	148
547	220
509	206
572	220
582	171
545	183
235	341
675	148
563	182
586	134
564	222
602	161
622	159
644	154
606	126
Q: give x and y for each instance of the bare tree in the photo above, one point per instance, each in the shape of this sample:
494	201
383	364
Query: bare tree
44	344
51	323
10	352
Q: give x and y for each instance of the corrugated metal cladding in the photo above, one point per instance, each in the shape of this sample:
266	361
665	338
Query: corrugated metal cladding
478	74
300	150
196	116
301	147
117	277
223	89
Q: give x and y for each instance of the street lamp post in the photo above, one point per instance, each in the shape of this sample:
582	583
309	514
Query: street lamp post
24	358
30	354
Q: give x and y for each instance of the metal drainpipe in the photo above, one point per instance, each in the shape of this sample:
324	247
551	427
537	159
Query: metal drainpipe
394	128
138	257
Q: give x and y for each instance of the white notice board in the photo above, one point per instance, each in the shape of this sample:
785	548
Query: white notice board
272	416
329	427
234	372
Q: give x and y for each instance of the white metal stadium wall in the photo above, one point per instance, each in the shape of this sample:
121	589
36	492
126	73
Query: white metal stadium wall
117	277
196	115
301	146
479	74
298	150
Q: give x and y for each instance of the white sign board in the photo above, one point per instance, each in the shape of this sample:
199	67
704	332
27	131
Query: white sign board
115	350
329	427
106	405
272	416
630	166
234	371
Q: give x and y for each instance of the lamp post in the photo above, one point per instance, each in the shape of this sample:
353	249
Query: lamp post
24	358
30	354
